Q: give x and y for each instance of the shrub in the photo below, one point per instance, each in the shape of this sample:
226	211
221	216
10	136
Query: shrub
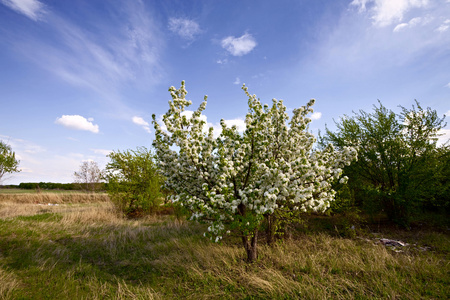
133	181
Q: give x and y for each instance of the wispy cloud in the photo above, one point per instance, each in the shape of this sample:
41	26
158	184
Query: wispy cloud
39	164
185	28
22	146
222	61
239	46
237	81
358	47
413	22
386	12
33	9
101	151
444	26
77	122
106	59
27	153
141	122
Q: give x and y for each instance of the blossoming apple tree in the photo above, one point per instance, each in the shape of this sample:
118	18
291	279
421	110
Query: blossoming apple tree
235	180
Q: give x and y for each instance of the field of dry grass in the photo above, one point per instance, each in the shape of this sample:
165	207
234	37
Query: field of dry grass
52	197
85	250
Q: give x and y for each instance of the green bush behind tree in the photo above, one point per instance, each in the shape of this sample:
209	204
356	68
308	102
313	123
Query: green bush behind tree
400	169
133	181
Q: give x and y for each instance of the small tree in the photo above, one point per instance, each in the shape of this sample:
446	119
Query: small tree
437	196
8	161
237	180
397	152
133	181
89	176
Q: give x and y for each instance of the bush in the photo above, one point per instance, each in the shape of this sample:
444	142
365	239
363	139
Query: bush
400	167
134	182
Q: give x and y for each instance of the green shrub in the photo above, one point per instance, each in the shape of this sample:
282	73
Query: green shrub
134	182
400	168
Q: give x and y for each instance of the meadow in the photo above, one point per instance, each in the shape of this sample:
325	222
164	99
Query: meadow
82	249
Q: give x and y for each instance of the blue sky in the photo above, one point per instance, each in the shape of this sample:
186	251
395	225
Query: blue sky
81	78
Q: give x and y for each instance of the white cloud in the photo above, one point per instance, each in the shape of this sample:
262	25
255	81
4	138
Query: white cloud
239	46
237	81
222	61
101	151
185	28
447	85
413	22
400	27
77	122
445	136
357	48
239	123
417	21
141	122
189	113
33	9
386	12
444	26
316	116
361	4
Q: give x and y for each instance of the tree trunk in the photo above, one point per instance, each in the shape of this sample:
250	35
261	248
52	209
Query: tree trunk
250	245
270	230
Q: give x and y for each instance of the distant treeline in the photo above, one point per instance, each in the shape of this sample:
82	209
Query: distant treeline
49	186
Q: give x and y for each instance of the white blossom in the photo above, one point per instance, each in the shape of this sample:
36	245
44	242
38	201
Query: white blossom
236	178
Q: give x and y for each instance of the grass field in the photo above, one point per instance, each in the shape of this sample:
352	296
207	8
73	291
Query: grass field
83	250
21	191
13	191
49	197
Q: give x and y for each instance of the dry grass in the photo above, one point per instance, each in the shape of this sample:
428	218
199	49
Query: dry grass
88	251
101	210
315	267
13	205
8	282
53	198
98	213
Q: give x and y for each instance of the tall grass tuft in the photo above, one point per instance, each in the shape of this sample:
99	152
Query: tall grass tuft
8	283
